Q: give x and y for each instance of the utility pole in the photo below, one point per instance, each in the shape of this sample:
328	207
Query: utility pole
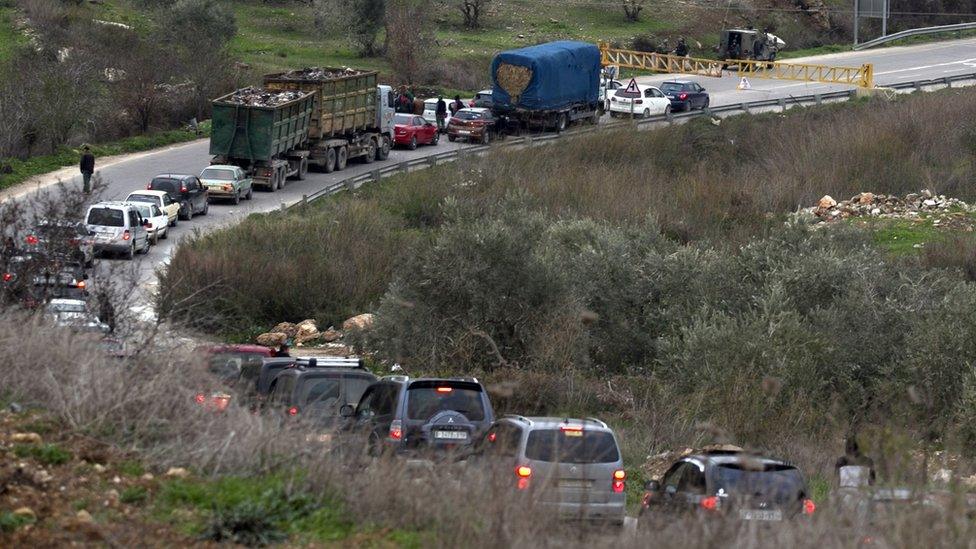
884	18
856	16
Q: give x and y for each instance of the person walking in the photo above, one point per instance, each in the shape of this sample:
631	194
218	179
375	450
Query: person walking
441	114
456	105
87	168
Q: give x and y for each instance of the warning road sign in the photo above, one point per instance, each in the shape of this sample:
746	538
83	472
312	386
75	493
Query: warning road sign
744	84
632	87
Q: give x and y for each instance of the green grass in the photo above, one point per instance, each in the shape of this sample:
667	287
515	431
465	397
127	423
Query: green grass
900	236
263	506
808	52
134	495
22	170
47	454
10	522
131	468
10	39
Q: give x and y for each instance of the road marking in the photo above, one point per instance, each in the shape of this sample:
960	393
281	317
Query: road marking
967	62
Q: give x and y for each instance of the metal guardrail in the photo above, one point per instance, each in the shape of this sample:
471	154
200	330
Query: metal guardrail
913	32
862	76
514	142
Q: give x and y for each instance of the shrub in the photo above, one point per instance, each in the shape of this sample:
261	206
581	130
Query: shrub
47	454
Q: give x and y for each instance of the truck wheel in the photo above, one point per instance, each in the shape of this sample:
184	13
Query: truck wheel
562	123
273	183
451	138
330	160
384	150
281	178
342	156
302	169
370	152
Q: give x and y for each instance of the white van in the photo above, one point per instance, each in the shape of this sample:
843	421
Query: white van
118	228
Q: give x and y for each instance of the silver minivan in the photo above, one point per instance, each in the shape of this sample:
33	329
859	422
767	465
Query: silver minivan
572	466
118	228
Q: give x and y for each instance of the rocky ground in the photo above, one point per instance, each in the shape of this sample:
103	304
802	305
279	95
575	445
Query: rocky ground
59	489
922	207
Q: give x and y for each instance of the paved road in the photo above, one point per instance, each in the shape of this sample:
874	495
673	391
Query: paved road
899	64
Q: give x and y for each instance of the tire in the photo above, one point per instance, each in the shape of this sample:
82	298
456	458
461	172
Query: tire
165	235
189	212
371	153
707	102
148	246
206	208
175	221
451	138
273	184
154	239
436	139
330	161
281	178
383	152
614	114
485	138
302	169
667	110
562	123
237	198
413	143
250	193
342	156
646	113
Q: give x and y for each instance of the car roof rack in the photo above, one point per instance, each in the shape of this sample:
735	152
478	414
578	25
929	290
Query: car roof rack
397	378
518	417
330	362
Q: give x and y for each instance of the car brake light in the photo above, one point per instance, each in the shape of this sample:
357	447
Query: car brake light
638	101
809	507
126	235
200	398
619	474
710	503
618	481
31	239
523	472
149	186
570	427
444	389
492	437
7	277
293	411
683	96
80	284
396	430
183	188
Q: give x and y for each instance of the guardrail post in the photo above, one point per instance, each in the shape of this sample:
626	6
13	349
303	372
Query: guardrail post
432	160
404	167
304	200
528	140
782	104
744	107
283	207
948	82
376	175
818	99
350	184
669	116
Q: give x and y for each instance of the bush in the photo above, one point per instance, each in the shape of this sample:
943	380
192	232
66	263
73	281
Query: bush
47	454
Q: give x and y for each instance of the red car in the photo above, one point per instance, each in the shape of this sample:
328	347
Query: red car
235	366
411	130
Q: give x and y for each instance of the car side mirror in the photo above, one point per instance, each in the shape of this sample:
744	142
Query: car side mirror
346	410
652	486
91	233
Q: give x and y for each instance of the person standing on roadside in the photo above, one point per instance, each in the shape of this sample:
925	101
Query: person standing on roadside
87	168
441	113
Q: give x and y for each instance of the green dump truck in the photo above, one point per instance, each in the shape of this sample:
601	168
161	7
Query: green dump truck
352	116
263	132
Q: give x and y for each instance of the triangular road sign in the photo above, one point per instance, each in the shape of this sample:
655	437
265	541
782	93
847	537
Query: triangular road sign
744	84
632	87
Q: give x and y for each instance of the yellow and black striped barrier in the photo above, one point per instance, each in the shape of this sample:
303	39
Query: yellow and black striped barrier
862	76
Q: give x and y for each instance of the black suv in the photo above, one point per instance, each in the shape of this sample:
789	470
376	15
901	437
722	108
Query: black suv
427	416
313	390
729	484
186	190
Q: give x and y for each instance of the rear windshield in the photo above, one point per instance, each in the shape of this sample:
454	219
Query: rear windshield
106	217
144	211
218	174
780	482
624	93
555	445
168	185
426	400
143	198
469	115
668	87
404	119
230	366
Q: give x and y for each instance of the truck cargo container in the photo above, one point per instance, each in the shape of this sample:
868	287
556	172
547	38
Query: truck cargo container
549	85
268	139
352	116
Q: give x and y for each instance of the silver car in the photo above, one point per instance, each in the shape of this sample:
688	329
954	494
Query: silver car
572	466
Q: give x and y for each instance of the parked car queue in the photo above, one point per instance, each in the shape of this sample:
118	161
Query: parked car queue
572	466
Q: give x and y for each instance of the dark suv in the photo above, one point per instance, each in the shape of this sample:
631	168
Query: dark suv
184	189
425	416
313	391
730	484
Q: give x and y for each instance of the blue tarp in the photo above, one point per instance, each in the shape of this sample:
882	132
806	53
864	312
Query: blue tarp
563	74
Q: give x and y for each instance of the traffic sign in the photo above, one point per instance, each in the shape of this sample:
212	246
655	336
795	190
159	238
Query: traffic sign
632	87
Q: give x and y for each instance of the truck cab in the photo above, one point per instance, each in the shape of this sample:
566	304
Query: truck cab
385	99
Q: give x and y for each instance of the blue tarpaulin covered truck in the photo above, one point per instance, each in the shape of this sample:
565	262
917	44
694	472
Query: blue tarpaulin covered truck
549	85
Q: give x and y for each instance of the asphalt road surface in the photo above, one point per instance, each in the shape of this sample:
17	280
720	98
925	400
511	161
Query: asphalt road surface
900	64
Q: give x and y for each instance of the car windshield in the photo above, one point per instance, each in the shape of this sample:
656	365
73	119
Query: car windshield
669	87
628	94
426	400
779	482
218	174
571	446
469	115
143	198
403	119
106	217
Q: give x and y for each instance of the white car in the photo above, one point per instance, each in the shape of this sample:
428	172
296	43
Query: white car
647	101
74	313
161	199
430	110
158	226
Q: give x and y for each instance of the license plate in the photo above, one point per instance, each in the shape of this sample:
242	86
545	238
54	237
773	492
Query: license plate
464	132
451	435
104	238
577	483
760	514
